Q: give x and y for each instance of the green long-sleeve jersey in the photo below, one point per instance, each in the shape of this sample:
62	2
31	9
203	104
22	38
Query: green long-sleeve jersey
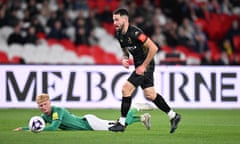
61	118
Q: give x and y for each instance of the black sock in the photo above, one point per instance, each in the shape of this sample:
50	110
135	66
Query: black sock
126	103
161	103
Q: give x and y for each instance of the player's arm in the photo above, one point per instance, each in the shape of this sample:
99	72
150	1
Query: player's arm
125	58
21	129
54	126
57	116
25	128
152	51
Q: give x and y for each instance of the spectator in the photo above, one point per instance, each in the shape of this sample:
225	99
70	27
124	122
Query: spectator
31	37
26	18
171	33
45	10
16	37
32	8
51	20
158	37
92	39
201	46
57	32
81	21
11	17
106	15
160	17
228	41
2	15
39	28
188	26
185	32
184	40
66	20
81	37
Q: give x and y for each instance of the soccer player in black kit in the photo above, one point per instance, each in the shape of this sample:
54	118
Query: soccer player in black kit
142	48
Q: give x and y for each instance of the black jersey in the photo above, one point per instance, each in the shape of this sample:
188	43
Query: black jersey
133	40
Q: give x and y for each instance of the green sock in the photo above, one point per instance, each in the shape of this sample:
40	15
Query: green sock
131	117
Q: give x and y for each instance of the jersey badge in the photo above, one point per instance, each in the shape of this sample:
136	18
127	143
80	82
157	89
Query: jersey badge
55	116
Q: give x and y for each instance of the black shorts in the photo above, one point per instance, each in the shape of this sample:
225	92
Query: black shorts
144	81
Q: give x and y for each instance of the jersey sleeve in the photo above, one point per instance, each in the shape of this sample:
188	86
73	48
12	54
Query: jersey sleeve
139	35
54	126
25	128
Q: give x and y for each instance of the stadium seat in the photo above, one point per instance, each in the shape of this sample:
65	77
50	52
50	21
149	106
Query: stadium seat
5	32
97	50
83	50
3	46
110	58
236	43
3	57
109	27
52	41
68	45
215	50
41	35
193	59
86	60
166	48
182	49
15	60
15	50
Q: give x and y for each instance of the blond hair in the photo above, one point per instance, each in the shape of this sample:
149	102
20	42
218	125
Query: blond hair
42	98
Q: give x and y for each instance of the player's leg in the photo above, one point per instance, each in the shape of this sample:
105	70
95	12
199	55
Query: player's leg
128	88
97	123
133	118
158	100
127	91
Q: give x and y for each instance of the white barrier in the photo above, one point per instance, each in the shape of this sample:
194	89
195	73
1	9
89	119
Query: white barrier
90	86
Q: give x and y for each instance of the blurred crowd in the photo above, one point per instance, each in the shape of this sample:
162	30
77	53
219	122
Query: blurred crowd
205	31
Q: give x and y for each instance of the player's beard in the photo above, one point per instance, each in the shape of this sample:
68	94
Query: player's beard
120	29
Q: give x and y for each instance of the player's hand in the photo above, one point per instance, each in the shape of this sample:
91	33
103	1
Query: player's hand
18	129
140	70
125	62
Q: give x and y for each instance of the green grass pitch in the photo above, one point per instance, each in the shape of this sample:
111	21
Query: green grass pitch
198	126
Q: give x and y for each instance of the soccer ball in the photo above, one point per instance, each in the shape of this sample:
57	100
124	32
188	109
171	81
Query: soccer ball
36	124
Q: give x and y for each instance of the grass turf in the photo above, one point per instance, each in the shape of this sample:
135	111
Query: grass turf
198	126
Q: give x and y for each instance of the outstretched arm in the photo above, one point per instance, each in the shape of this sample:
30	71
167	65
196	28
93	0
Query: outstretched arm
21	129
54	126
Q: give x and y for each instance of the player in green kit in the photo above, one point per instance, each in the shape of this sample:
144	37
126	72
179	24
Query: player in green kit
61	118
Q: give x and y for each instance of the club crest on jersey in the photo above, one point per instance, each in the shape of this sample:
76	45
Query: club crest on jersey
129	40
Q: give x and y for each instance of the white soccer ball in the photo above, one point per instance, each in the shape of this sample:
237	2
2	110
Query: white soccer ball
36	124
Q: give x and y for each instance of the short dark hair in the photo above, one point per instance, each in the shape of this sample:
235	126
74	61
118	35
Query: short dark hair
121	12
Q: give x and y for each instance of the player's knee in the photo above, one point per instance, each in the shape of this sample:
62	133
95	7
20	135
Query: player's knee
127	89
150	95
